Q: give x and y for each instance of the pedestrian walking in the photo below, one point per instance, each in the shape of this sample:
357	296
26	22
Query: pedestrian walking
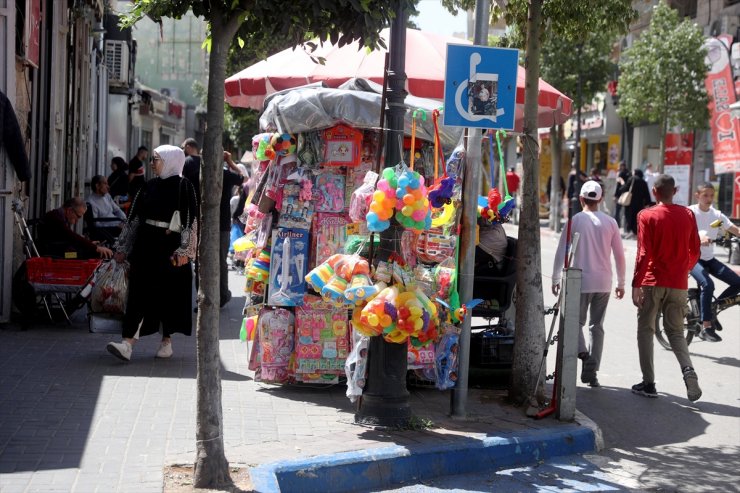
232	178
576	179
640	200
622	176
159	251
667	249
708	265
599	239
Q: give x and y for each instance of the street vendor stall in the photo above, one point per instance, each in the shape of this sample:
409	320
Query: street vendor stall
315	293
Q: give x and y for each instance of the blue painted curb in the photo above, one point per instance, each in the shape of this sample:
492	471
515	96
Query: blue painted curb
389	466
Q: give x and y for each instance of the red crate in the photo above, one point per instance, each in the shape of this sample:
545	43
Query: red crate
45	270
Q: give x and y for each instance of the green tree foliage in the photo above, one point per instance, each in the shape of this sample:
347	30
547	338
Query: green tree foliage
563	62
262	26
662	75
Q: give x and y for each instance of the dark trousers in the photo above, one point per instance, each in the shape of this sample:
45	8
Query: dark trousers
701	273
224	239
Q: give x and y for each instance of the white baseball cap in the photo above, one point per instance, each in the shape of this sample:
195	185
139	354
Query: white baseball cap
591	190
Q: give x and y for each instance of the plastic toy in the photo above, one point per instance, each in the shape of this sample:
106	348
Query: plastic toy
379	314
383	202
412	205
446	362
359	203
283	144
328	192
441	193
342	146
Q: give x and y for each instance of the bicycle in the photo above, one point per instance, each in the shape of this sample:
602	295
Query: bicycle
692	319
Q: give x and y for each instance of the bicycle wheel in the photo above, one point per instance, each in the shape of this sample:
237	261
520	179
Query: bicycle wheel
691	326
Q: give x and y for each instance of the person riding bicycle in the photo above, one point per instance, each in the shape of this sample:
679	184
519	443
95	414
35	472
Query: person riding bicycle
707	218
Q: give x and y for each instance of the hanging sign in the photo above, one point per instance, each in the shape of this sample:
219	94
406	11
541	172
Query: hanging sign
480	86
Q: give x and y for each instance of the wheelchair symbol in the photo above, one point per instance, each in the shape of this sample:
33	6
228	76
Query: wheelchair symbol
482	95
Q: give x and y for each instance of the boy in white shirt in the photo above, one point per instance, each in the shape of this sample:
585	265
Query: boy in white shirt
708	265
599	239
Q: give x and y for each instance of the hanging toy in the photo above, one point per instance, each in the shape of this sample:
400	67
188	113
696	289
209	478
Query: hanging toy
490	212
380	313
384	199
412	204
283	144
441	192
457	315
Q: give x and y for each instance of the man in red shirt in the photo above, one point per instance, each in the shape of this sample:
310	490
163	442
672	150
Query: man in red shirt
667	249
512	181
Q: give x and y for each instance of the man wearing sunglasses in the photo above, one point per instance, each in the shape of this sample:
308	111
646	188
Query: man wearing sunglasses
57	237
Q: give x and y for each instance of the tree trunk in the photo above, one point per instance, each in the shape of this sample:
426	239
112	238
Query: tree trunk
557	158
530	322
211	468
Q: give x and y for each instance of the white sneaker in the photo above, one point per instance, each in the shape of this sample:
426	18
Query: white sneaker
165	350
121	350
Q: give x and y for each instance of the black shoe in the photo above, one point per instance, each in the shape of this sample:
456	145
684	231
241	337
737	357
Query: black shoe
588	371
710	335
645	389
594	383
693	392
583	356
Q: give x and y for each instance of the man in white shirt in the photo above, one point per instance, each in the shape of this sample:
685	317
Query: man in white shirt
650	177
708	265
599	238
107	217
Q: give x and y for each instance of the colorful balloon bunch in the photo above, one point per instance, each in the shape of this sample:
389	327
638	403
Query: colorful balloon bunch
416	313
397	316
412	202
384	199
379	315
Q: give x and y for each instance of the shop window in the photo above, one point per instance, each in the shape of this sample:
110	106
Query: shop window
146	139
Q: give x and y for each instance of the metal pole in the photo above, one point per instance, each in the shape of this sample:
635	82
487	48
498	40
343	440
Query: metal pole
466	269
567	361
385	401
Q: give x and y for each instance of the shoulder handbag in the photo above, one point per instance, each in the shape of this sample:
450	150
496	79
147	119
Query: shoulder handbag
626	198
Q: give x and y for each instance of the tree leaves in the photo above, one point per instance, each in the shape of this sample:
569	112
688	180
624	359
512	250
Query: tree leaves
663	72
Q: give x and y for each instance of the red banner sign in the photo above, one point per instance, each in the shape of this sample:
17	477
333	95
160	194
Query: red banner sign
721	91
679	148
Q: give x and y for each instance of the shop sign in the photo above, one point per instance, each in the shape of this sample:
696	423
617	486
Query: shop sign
480	86
721	91
614	152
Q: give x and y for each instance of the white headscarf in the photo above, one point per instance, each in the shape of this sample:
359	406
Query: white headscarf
173	159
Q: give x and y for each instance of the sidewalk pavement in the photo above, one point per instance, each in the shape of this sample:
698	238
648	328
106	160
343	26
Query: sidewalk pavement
75	419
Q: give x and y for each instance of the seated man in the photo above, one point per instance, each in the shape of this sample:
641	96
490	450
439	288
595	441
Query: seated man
491	249
107	218
57	239
707	219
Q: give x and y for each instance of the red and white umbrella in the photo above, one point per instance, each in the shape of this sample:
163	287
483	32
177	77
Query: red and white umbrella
425	71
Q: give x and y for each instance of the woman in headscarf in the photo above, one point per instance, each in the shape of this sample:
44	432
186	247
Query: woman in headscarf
640	200
160	279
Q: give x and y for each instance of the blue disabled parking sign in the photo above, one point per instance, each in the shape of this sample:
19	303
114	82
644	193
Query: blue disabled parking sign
480	86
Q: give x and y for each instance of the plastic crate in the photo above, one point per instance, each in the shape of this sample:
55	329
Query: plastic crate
46	270
488	349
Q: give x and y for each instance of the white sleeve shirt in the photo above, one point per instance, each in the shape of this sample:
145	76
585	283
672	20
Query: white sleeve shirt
704	221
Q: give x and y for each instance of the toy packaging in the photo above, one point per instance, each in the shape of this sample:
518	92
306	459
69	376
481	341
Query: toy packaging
297	207
288	267
328	236
342	146
328	192
275	330
322	343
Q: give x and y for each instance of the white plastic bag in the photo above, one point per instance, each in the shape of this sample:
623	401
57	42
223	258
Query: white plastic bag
110	293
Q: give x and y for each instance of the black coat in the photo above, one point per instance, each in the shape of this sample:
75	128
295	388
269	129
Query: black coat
11	139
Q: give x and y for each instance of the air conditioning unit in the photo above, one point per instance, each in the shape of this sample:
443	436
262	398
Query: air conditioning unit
117	62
